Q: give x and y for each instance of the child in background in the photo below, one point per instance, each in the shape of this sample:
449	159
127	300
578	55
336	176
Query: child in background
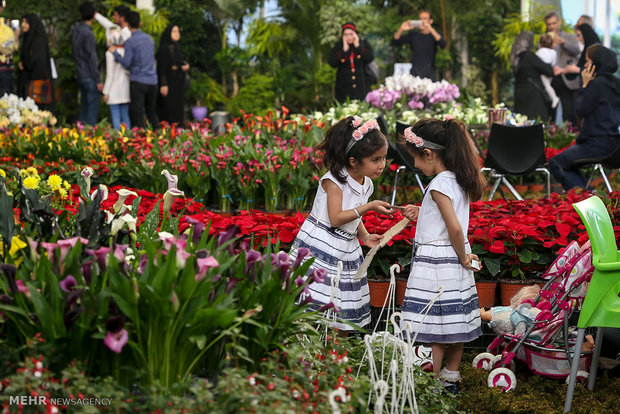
355	154
116	87
547	54
442	255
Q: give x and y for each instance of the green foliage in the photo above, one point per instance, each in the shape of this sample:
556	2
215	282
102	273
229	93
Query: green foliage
204	90
255	96
334	14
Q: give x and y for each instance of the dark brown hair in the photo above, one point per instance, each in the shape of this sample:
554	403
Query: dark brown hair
460	155
545	40
591	50
335	144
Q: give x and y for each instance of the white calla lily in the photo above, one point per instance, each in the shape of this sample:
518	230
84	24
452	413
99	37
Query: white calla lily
123	193
169	197
173	180
104	192
87	172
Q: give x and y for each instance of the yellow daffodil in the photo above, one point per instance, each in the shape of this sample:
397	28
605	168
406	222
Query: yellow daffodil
66	185
2	173
31	171
63	193
31	182
54	181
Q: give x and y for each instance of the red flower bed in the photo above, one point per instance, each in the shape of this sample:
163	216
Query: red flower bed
511	237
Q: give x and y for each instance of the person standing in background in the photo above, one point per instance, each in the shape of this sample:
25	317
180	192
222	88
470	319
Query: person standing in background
8	45
34	64
423	42
120	12
567	47
349	56
171	70
116	86
139	58
86	65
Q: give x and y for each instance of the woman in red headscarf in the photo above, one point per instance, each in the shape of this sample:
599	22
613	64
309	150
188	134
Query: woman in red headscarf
350	56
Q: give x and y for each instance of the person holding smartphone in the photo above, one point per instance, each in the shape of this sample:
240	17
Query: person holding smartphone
349	56
423	40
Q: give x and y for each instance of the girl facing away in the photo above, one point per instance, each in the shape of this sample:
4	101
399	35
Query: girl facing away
442	255
355	154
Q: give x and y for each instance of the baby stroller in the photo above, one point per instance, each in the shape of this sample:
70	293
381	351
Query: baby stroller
541	347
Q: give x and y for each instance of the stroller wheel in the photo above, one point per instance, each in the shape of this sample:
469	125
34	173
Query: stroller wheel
582	377
502	378
427	366
483	361
496	362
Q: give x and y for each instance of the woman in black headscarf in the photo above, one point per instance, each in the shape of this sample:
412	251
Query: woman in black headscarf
599	106
587	37
527	66
171	71
34	57
349	56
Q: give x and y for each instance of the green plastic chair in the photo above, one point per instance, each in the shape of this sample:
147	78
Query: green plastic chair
601	306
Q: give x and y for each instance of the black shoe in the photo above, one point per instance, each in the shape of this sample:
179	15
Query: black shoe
453	388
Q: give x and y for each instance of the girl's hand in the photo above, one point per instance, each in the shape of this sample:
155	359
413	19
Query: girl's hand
466	263
356	40
587	75
372	240
411	212
381	206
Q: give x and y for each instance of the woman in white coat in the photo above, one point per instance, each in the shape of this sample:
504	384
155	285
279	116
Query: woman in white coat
116	86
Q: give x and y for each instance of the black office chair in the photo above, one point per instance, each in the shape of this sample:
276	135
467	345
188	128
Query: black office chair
611	161
515	151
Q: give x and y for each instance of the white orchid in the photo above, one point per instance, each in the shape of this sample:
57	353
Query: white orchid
123	193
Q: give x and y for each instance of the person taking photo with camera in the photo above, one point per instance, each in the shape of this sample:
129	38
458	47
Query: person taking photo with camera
423	40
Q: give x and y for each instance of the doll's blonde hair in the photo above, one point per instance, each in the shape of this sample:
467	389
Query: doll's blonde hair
527	292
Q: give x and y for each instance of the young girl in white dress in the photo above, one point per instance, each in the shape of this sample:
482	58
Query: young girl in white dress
442	255
355	154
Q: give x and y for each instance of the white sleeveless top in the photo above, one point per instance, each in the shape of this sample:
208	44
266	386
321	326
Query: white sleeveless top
354	194
430	225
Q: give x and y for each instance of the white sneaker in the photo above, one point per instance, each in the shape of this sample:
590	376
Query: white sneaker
555	101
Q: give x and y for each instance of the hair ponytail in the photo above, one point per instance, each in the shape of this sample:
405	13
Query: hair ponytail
461	157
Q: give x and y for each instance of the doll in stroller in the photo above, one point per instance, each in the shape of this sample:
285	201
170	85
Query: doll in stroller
533	329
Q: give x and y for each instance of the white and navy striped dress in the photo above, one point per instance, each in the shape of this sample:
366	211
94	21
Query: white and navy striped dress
329	244
455	316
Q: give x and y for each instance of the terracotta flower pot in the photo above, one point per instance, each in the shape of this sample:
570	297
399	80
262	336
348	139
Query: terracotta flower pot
509	288
486	293
537	188
401	287
378	292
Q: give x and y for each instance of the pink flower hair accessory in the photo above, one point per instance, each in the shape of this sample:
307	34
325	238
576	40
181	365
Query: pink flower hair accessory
357	121
419	142
361	130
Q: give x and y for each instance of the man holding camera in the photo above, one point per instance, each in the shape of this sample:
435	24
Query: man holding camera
423	40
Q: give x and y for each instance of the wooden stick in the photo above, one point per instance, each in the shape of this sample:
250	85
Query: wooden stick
387	236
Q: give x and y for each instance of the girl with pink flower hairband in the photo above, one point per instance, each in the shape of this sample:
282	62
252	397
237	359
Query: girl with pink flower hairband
355	153
442	259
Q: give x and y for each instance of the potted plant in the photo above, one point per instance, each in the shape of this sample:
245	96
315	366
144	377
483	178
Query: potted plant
204	92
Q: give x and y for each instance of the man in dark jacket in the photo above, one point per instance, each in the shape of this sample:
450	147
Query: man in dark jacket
423	40
86	65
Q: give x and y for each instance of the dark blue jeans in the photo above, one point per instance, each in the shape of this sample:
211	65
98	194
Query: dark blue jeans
90	97
6	82
565	166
